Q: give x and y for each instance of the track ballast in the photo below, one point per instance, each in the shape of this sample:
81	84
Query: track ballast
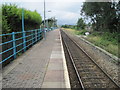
88	72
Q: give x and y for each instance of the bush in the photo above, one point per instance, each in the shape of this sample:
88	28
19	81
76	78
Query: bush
12	17
81	32
5	25
107	41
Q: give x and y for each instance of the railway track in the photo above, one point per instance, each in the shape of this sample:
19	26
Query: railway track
88	72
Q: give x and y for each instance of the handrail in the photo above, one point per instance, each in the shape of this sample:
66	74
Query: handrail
31	37
28	38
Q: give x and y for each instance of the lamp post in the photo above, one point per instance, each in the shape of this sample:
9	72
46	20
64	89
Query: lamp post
44	21
23	31
53	22
47	20
47	24
22	20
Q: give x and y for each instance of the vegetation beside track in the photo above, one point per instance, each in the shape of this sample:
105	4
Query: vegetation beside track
101	19
107	41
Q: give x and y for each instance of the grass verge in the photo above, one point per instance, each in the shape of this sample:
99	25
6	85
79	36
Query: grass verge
107	41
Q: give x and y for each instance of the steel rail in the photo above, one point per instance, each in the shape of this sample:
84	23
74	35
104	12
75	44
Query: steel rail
91	59
73	63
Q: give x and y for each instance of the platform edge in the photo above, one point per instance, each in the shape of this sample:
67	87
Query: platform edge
66	75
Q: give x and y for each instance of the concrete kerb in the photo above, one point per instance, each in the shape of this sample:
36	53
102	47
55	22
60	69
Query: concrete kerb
67	81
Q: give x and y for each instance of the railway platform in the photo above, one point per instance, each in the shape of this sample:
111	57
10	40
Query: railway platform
42	66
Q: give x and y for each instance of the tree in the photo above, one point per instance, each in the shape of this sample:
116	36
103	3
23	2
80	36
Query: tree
80	24
103	15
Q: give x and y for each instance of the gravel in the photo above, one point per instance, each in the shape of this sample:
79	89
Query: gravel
106	61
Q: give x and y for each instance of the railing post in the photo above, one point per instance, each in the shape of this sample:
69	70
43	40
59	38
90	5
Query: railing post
24	41
36	35
39	33
32	37
14	44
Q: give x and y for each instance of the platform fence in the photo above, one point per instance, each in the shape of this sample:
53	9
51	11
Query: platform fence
16	43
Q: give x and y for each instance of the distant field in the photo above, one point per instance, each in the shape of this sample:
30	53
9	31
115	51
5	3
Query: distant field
107	41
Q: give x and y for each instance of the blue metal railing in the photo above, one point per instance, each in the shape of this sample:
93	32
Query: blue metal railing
28	38
25	39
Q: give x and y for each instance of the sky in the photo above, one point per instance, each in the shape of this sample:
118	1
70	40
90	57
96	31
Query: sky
65	11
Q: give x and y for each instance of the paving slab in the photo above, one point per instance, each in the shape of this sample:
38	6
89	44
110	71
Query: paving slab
36	67
56	75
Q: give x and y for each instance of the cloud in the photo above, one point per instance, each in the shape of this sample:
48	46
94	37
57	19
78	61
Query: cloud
65	12
67	17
